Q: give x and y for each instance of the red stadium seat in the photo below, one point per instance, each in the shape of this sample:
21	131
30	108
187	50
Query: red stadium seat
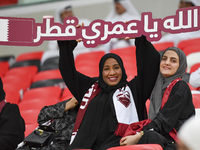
66	95
30	128
196	100
194	67
191	49
30	56
187	43
138	147
37	103
84	58
30	116
163	46
12	93
48	74
21	82
4	65
43	92
21	71
88	63
192	88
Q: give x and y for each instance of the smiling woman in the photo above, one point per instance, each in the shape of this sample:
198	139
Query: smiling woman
169	63
108	100
171	103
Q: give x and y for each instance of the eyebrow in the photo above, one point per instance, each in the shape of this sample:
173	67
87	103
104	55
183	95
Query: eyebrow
113	65
171	57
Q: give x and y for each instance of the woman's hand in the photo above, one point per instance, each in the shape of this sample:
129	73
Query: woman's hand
130	140
71	104
78	26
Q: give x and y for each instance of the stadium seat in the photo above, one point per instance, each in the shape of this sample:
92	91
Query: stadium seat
138	147
43	92
12	93
7	58
35	62
196	99
192	88
85	58
66	95
194	67
30	116
4	65
32	70
191	49
192	58
187	43
18	82
46	83
30	128
37	103
48	74
90	70
50	63
29	56
88	63
163	46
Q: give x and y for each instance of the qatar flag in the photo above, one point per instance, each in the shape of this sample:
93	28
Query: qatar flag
16	30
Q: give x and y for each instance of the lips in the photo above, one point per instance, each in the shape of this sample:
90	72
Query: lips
112	78
166	68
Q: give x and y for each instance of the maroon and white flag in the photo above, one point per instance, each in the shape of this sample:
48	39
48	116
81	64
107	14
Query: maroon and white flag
25	32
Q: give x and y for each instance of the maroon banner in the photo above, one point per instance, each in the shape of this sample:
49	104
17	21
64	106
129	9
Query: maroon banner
25	32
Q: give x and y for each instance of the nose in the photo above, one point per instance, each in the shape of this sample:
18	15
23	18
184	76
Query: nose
112	72
167	62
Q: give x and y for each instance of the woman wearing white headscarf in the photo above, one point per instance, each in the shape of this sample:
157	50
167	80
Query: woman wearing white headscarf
121	10
60	14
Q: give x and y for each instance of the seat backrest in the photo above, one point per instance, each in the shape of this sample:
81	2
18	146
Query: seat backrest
48	74
196	100
30	56
194	67
187	43
163	46
30	116
138	147
37	103
43	92
4	65
66	94
191	49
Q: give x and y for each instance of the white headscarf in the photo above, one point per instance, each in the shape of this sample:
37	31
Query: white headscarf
59	11
195	2
189	133
130	14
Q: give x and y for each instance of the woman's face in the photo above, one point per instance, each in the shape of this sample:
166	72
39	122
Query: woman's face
169	63
112	72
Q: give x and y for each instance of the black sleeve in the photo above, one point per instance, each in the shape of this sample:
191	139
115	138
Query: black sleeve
77	83
177	109
12	127
148	60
